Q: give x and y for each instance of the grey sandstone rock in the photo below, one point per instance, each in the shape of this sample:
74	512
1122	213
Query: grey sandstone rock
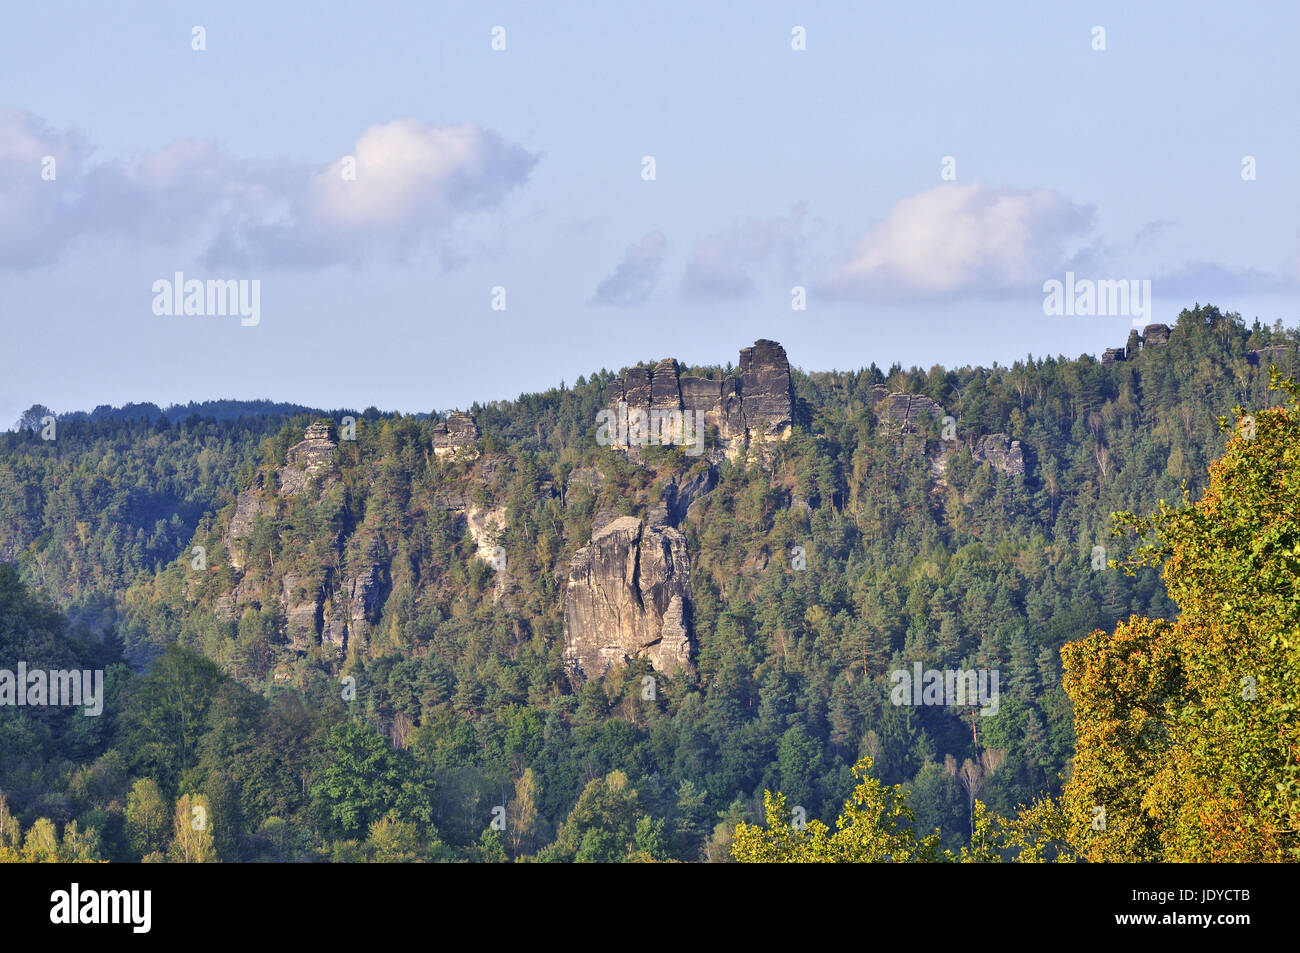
628	596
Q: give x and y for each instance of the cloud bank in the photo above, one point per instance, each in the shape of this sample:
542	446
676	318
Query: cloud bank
405	182
962	239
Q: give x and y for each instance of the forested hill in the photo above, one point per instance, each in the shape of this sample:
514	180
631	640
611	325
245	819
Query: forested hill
955	518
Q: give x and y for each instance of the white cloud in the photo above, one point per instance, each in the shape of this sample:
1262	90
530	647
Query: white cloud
723	264
962	239
636	275
414	180
33	211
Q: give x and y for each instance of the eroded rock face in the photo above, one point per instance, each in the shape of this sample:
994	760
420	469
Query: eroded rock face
455	435
248	506
485	526
766	392
302	611
905	413
628	596
907	417
1155	335
357	602
1000	452
750	409
310	458
678	496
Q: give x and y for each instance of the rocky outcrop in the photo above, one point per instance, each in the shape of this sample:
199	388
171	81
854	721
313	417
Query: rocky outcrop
249	505
356	607
905	413
1155	335
749	410
1264	356
678	496
302	611
485	526
628	596
1000	452
908	416
456	435
310	458
766	391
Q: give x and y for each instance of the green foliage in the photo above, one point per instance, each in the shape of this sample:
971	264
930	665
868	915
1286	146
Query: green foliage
463	704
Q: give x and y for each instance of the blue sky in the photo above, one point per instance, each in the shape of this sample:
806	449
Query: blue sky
522	168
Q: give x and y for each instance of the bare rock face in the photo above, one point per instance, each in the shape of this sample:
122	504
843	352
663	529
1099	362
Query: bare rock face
485	526
455	435
664	392
628	596
748	410
766	391
248	506
906	413
1155	335
310	458
1001	452
679	495
302	611
1112	354
356	605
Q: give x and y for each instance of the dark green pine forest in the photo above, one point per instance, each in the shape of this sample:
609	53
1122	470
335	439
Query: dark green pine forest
447	726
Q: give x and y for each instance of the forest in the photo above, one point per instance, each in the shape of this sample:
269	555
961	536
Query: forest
448	728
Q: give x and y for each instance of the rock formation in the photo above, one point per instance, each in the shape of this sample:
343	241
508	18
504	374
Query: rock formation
248	506
302	611
749	410
1155	335
1273	354
905	413
678	496
310	458
1001	452
766	392
908	415
454	435
328	605
1112	354
628	596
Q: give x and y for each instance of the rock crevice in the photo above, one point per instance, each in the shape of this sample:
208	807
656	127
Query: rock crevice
628	596
749	410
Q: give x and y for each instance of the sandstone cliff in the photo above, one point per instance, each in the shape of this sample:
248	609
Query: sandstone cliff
1001	452
329	605
628	596
456	435
749	410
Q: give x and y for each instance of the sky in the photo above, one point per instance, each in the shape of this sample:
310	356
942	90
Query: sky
390	175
